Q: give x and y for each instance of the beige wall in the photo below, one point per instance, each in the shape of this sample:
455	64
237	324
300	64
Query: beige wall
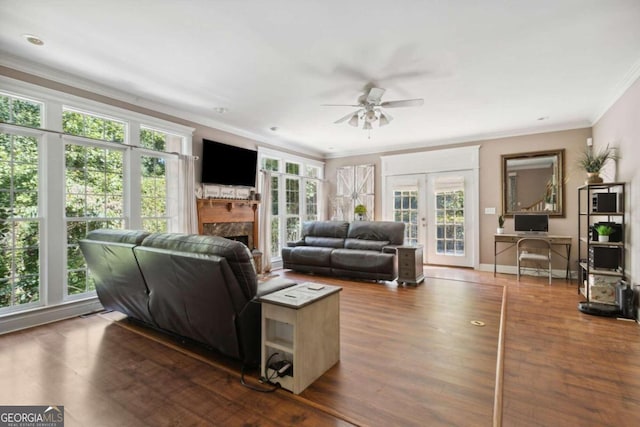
573	141
620	127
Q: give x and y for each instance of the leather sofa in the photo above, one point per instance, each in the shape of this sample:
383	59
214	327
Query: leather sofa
200	287
360	249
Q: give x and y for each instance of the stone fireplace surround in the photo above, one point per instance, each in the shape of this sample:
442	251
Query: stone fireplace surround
229	218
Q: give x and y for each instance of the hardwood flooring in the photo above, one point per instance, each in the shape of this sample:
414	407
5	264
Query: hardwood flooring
409	356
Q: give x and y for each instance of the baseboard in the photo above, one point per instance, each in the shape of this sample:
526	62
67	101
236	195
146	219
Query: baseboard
40	316
512	269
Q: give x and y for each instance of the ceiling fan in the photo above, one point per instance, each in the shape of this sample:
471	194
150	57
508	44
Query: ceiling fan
370	108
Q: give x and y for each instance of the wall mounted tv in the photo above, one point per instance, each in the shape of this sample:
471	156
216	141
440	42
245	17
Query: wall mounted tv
228	165
531	223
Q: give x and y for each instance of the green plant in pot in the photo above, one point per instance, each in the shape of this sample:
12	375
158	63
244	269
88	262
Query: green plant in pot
360	211
592	161
604	231
500	229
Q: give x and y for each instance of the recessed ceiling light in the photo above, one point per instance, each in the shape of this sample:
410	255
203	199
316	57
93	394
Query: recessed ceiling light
274	128
221	110
33	39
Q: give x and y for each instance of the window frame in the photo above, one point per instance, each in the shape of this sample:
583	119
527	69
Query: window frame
54	303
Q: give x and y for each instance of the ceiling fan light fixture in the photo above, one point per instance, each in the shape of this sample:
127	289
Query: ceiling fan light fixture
367	125
370	116
384	119
353	121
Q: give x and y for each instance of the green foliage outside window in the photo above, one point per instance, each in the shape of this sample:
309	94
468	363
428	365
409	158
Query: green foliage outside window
19	232
20	111
91	126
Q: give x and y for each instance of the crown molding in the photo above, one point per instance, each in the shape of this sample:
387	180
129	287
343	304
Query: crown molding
619	90
467	139
38	70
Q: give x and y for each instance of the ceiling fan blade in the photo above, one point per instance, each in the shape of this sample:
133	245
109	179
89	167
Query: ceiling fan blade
403	103
347	117
374	95
340	105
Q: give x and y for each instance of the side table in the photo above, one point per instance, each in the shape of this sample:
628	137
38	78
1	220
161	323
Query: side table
302	325
410	264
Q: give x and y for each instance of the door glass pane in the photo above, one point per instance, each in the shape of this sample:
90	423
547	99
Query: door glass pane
449	216
405	204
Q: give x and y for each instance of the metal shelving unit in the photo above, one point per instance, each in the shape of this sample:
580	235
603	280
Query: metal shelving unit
600	261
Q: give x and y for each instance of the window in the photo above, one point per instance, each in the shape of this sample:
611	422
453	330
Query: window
94	199
92	126
93	177
19	222
273	165
290	206
20	111
159	194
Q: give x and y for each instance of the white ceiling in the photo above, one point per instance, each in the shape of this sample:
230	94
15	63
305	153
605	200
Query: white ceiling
484	68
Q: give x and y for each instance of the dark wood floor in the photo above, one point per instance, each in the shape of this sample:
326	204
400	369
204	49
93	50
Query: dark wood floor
410	356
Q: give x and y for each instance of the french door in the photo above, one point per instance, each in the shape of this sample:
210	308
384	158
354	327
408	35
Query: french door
449	239
436	208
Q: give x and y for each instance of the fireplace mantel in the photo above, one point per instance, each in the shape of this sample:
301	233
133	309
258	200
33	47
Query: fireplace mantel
214	211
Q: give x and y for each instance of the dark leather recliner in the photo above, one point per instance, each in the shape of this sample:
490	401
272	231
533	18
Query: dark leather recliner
200	287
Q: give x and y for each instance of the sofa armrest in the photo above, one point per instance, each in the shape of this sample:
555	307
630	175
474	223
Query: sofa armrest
273	285
296	243
390	249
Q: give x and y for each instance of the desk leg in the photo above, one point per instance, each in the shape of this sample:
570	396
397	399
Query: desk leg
495	257
566	277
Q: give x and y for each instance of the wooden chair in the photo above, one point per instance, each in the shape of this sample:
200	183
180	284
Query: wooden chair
534	250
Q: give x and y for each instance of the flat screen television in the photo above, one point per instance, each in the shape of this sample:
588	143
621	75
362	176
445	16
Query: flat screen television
531	223
228	165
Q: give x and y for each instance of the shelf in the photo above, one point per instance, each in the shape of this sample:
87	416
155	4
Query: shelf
279	344
597	243
601	186
585	267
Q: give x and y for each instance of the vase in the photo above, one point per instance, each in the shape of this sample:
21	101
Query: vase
500	230
602	238
593	178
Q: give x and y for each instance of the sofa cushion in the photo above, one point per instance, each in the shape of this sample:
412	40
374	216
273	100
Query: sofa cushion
237	254
369	245
325	229
324	242
359	260
311	255
391	231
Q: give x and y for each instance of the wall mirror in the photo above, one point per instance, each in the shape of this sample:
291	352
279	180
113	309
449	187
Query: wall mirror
533	182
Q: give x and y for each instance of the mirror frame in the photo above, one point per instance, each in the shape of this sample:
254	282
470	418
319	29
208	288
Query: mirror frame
559	212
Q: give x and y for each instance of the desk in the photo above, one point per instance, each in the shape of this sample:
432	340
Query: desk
512	239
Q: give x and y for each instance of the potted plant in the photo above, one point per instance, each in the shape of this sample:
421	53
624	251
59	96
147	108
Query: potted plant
360	211
500	229
604	231
593	162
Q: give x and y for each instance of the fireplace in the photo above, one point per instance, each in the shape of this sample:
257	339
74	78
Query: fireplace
229	218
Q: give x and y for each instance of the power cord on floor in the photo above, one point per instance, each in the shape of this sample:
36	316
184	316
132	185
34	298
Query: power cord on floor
262	379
